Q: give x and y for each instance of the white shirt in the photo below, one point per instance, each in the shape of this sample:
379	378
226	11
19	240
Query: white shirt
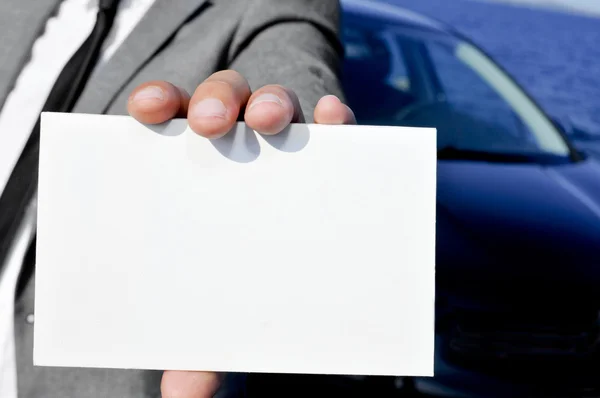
63	35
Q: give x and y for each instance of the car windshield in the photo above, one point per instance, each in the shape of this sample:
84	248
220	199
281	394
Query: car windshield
409	77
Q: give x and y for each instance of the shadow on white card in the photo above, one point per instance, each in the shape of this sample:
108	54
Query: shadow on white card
287	142
240	144
172	128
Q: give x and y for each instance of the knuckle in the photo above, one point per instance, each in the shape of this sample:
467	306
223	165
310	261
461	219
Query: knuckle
218	88
225	74
276	89
233	78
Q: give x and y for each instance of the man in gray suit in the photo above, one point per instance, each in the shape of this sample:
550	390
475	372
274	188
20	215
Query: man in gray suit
268	62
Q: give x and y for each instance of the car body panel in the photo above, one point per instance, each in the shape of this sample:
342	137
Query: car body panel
539	227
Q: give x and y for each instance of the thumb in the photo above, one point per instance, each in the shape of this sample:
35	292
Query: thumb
184	384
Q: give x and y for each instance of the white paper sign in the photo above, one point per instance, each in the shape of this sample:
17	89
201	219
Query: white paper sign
307	252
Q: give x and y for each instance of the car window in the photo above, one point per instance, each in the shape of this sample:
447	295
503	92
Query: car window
367	46
468	94
374	64
411	78
356	45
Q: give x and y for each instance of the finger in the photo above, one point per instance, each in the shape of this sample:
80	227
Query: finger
271	108
330	110
180	384
157	101
216	103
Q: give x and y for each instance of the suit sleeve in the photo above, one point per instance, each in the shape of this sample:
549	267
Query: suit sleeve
294	43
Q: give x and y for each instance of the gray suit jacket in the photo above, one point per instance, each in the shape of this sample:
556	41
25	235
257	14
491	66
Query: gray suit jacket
289	42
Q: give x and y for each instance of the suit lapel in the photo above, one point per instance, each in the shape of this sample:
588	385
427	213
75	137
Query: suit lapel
21	22
160	22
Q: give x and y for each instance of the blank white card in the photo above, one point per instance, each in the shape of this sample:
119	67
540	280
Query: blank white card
308	252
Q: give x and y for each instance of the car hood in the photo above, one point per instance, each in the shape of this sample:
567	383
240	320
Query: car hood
511	231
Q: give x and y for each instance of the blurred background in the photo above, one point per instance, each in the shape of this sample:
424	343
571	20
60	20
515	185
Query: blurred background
550	46
513	88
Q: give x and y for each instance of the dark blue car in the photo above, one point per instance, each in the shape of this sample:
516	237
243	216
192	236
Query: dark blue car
518	210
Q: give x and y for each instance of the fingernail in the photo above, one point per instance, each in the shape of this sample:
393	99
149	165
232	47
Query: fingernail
261	99
149	93
209	107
